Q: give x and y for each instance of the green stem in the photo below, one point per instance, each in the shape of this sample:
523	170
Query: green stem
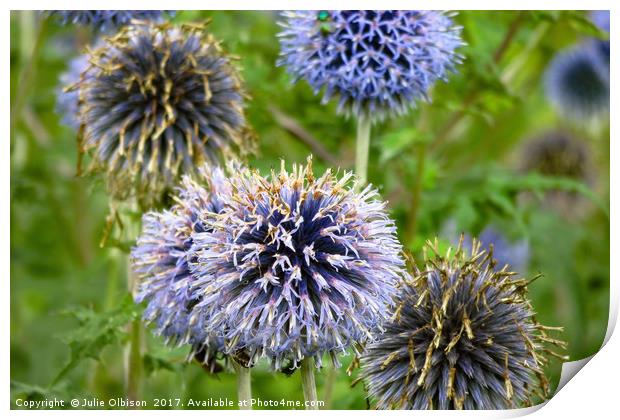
244	386
361	149
417	194
26	79
518	62
308	383
133	362
328	391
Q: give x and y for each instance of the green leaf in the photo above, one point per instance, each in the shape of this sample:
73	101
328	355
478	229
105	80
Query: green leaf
541	183
395	142
96	331
31	392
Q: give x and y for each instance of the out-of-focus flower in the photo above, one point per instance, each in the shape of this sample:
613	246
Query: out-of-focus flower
601	19
577	83
515	254
296	266
161	260
463	336
66	98
377	62
106	20
559	154
158	102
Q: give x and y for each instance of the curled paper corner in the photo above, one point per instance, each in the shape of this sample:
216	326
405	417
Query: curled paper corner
570	369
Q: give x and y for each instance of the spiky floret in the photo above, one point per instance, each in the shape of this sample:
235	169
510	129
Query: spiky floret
377	62
463	335
105	20
577	83
161	260
297	266
67	99
160	101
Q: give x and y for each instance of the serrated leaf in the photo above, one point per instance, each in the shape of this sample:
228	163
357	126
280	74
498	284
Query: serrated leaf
31	391
541	183
95	332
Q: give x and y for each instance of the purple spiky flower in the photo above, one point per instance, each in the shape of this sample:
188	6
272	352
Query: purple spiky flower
67	99
296	266
106	20
577	83
463	336
161	260
159	101
377	62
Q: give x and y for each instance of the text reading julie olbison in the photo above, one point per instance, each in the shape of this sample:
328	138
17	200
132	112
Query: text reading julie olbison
123	403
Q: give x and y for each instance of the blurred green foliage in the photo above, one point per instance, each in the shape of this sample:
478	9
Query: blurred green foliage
68	305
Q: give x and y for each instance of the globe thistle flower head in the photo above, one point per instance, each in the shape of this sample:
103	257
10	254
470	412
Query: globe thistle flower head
297	266
106	20
377	62
161	261
559	154
67	99
159	102
577	84
463	336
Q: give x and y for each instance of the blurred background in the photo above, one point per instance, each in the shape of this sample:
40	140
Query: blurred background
499	159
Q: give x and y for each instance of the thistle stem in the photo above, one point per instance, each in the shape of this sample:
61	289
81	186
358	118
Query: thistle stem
133	353
134	361
308	383
361	149
417	193
328	391
28	66
244	386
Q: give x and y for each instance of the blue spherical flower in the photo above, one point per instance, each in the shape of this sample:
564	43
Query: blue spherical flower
158	102
161	261
463	336
577	83
296	266
106	20
376	62
67	98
